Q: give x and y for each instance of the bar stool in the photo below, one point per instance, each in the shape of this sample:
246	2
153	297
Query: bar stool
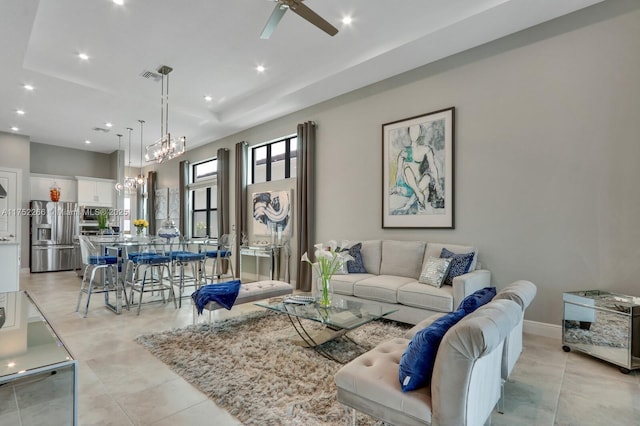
182	258
154	263
223	251
95	260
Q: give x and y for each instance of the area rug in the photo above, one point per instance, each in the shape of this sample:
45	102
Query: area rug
250	367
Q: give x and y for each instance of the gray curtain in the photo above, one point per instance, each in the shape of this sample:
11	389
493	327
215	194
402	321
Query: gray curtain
223	195
183	179
242	155
152	181
305	197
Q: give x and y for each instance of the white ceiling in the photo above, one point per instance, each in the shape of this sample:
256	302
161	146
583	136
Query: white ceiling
213	47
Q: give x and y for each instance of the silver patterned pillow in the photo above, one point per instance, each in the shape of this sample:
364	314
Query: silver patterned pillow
435	271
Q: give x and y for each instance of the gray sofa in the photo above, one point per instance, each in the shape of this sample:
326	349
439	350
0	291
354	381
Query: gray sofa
393	269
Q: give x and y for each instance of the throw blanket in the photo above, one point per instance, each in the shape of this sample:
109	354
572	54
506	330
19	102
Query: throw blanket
224	294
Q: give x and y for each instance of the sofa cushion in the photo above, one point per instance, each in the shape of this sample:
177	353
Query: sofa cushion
416	364
371	254
426	297
477	299
402	258
343	284
355	266
434	249
435	271
460	264
383	288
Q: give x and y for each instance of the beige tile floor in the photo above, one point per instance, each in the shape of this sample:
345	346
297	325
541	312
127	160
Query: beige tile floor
120	383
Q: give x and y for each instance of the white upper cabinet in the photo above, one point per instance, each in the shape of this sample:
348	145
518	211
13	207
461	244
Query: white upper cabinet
96	192
41	185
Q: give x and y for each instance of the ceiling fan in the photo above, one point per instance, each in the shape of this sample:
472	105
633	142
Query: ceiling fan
301	10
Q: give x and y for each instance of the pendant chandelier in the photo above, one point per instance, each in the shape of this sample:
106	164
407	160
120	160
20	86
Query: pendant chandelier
119	185
140	178
130	183
166	147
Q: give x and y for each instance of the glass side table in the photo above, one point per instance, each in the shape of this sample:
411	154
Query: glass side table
603	324
38	375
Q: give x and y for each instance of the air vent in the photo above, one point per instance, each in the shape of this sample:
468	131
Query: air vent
100	129
150	75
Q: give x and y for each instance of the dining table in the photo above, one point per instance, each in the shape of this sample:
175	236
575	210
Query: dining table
122	245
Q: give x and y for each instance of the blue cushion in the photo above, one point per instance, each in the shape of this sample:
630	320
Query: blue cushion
477	299
460	264
216	253
355	266
152	259
416	364
103	260
188	256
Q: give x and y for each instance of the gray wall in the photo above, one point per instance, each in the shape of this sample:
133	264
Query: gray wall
57	160
546	153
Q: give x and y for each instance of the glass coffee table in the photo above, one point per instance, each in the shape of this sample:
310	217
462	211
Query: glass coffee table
338	319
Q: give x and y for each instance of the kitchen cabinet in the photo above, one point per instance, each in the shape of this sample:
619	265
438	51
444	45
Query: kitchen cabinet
10	266
96	192
41	184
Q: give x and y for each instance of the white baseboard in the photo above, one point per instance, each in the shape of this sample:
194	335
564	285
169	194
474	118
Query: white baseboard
543	329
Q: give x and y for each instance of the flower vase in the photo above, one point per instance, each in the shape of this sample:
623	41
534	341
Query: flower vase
324	292
139	230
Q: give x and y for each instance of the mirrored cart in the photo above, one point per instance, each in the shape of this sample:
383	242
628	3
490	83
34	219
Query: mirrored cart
603	324
38	375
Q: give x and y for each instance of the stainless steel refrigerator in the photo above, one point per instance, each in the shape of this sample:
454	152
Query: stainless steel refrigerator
52	228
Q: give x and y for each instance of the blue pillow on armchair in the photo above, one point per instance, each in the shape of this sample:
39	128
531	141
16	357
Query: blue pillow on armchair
477	299
460	264
416	364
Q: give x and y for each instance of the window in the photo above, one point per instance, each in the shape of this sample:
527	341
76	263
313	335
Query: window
274	160
203	198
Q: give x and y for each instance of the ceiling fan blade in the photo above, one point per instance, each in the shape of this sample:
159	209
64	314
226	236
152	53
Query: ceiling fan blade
273	21
308	14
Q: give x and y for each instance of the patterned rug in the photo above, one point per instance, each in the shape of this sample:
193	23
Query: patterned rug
250	367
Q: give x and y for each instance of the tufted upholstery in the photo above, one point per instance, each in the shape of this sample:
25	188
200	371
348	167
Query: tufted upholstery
466	380
251	292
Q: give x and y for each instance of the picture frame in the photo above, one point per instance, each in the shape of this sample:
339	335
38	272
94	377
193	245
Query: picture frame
418	171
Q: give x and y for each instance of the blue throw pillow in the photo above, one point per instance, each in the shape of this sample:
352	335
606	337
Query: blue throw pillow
355	266
460	264
477	299
416	364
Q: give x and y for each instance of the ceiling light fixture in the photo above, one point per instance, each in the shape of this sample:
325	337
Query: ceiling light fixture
87	141
14	128
208	98
140	178
28	87
83	56
260	68
119	2
19	112
166	147
108	124
347	20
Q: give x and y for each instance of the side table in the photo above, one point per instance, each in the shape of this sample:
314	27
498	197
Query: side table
603	324
38	375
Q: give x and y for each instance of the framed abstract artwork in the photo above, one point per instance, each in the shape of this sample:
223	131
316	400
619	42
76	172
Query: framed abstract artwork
417	178
272	213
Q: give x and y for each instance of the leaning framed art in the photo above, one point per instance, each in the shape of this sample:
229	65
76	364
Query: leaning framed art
417	178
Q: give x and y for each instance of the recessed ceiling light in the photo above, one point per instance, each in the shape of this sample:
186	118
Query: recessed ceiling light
260	68
28	87
87	141
83	56
347	20
20	112
119	2
208	98
14	128
108	124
